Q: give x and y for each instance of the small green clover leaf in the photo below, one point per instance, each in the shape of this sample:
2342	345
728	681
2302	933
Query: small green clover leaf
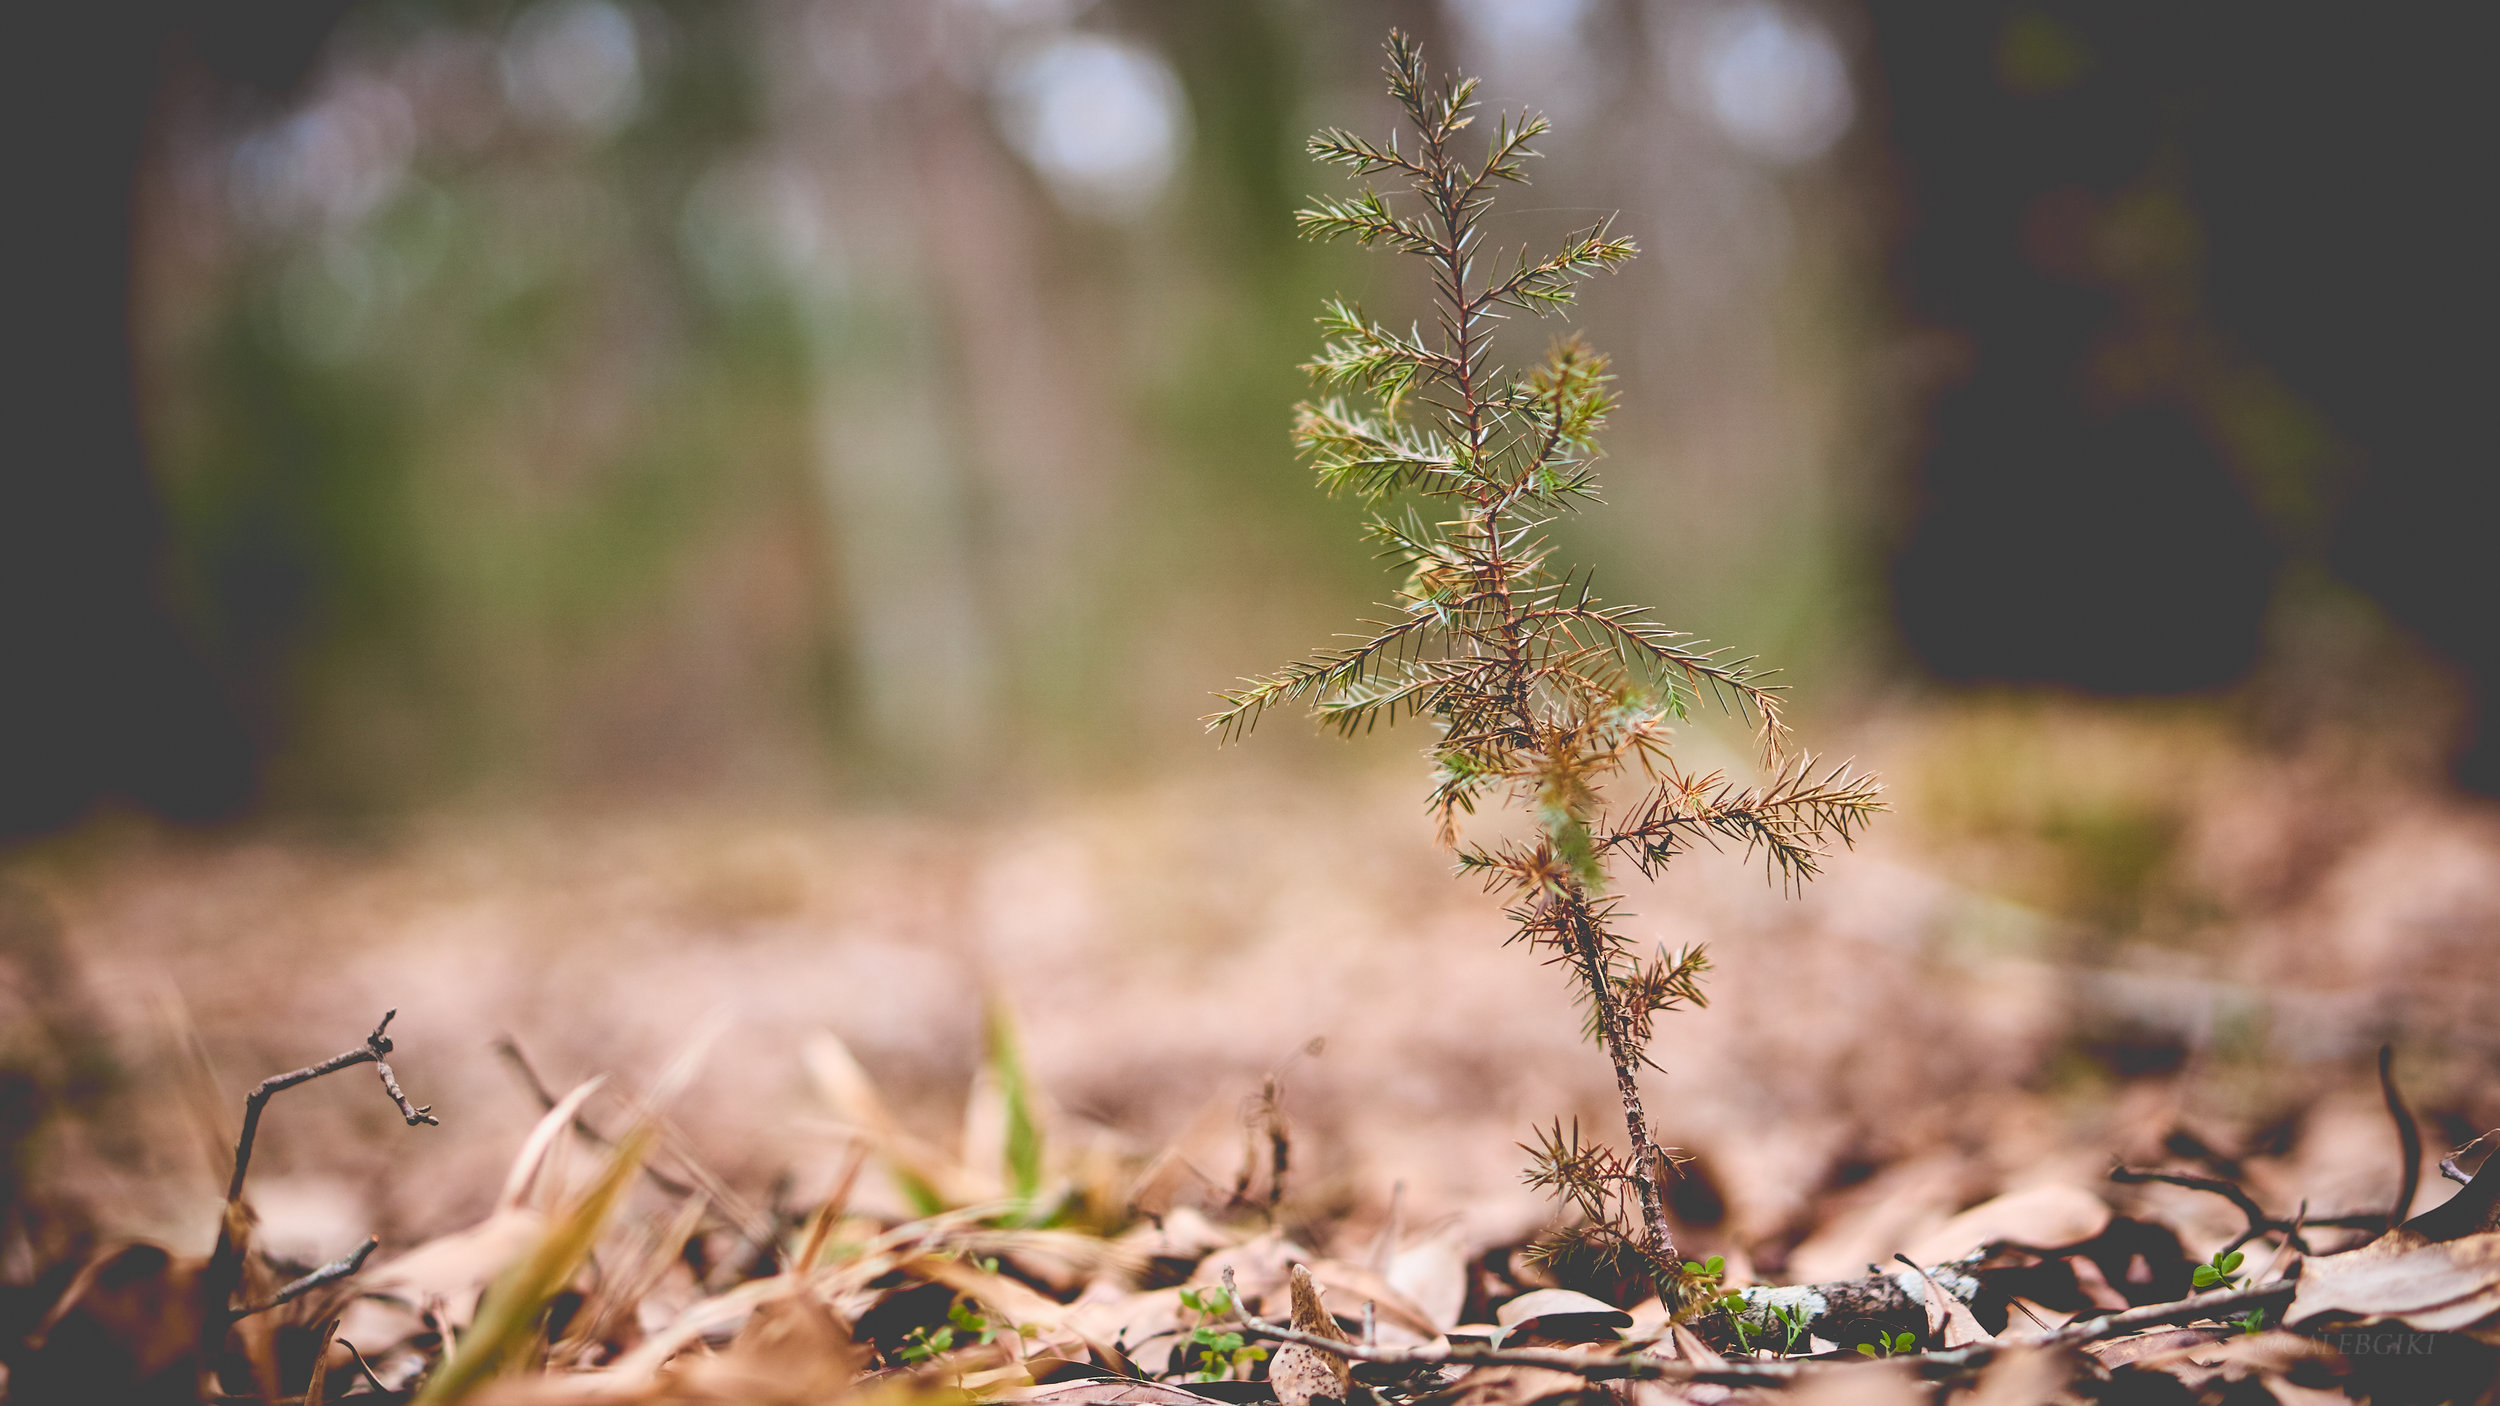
1732	1304
965	1325
965	1318
922	1344
1894	1346
2223	1270
1221	1352
1794	1319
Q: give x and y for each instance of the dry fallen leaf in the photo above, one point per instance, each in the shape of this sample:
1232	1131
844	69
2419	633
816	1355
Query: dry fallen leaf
2168	1344
1355	1285
2451	1286
1433	1275
1300	1373
1565	1314
1949	1320
2021	1377
2040	1217
1511	1386
2475	1208
127	1329
1887	1385
1108	1391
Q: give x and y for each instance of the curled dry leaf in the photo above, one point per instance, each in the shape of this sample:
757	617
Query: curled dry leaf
1562	1313
1401	1318
1108	1391
2475	1208
1300	1373
1949	1320
2440	1287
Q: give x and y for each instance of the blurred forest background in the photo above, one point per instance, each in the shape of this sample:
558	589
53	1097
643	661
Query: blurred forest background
426	403
872	414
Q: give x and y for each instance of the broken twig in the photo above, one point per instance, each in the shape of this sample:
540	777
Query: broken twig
224	1273
375	1051
330	1273
1447	1354
2448	1165
2259	1223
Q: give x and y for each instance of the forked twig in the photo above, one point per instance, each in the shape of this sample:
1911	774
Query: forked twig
224	1273
375	1051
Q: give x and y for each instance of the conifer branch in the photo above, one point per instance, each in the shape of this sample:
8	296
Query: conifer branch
1363	156
1547	284
1367	220
1789	821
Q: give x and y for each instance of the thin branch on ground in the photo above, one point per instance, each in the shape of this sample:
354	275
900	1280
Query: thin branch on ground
330	1273
2221	1304
1635	1368
2274	1266
2259	1223
2408	1136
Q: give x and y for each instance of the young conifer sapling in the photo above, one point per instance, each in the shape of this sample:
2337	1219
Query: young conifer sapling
1539	694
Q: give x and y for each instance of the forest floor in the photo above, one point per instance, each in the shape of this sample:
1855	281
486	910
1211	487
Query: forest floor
2086	937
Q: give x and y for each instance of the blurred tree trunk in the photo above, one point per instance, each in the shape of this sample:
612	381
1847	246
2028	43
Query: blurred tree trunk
101	698
2215	273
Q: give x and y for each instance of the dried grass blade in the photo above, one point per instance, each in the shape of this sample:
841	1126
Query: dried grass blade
535	1148
508	1317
